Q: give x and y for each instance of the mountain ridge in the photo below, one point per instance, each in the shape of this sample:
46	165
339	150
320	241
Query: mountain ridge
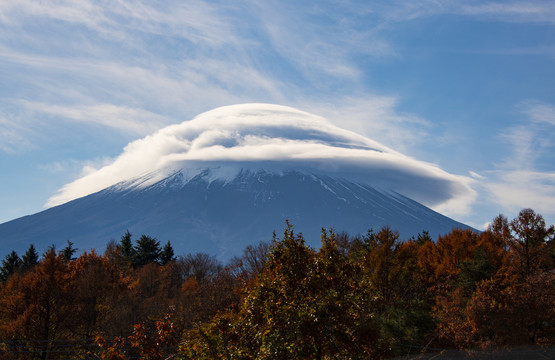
219	210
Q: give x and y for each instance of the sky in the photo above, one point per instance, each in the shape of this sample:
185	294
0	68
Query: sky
464	87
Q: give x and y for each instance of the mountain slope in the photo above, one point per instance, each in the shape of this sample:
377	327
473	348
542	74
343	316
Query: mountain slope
209	212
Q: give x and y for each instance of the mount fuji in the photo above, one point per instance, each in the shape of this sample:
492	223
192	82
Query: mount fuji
232	176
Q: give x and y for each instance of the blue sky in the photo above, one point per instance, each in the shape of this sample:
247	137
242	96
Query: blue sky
468	86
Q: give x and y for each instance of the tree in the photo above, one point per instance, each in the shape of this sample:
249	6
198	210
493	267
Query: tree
200	266
30	259
391	268
68	252
167	254
153	345
380	261
528	238
304	305
473	271
252	262
146	250
89	280
147	343
423	238
37	306
10	265
440	262
127	250
516	313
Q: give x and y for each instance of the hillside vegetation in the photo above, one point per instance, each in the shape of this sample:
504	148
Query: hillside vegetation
356	297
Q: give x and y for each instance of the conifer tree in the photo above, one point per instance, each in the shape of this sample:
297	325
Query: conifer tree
167	254
68	251
147	250
30	259
127	250
10	265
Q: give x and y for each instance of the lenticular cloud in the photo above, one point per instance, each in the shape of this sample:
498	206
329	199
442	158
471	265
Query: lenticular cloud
272	137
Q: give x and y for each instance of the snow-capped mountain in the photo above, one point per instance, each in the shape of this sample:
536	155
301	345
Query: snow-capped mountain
221	210
232	175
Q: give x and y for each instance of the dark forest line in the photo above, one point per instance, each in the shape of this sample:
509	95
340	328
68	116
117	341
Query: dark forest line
357	297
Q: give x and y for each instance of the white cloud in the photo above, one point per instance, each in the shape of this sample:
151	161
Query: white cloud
475	175
271	134
378	117
517	11
539	112
533	11
135	121
13	136
518	189
521	181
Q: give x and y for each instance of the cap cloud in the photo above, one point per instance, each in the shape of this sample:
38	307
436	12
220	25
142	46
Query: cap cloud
262	135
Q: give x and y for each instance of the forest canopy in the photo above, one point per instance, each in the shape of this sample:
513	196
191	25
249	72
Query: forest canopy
356	297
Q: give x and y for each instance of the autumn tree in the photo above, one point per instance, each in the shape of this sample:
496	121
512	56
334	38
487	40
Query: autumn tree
36	306
146	342
450	268
200	266
502	314
252	262
89	280
379	261
391	267
305	304
528	240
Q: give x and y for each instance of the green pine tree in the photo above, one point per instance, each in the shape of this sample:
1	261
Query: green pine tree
146	250
10	265
68	252
167	254
127	250
30	259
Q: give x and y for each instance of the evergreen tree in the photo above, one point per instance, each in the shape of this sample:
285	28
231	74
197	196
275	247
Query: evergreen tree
30	259
68	251
147	250
10	265
126	244
423	238
167	254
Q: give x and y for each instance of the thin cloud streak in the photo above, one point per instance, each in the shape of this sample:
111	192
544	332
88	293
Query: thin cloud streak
135	121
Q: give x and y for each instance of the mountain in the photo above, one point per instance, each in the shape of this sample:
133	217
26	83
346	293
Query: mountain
221	209
232	175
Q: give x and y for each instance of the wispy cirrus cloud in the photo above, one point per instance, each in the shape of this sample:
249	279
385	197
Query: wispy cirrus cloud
512	11
130	120
109	54
13	136
523	179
